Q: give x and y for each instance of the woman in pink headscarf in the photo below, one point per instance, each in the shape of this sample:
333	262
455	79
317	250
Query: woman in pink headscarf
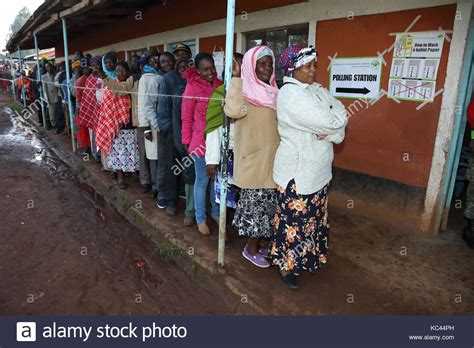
251	102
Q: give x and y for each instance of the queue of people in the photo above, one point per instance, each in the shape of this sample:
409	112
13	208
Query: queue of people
163	118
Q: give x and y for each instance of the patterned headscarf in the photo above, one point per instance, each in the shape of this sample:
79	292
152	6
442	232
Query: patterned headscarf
296	56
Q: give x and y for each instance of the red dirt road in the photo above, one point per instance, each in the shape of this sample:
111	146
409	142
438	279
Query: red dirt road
64	252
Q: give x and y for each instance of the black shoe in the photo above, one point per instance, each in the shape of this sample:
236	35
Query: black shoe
289	280
171	211
145	188
162	203
122	185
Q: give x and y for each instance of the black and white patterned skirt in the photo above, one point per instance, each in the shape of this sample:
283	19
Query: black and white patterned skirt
255	213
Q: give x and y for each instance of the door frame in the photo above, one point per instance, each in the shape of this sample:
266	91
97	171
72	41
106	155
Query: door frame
463	100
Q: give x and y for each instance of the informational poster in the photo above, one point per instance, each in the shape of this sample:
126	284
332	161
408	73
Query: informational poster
219	62
355	77
415	64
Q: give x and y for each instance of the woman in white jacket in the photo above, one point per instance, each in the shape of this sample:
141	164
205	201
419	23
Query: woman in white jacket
310	120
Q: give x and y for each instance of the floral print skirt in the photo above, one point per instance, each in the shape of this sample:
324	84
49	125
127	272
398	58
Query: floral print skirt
124	154
254	216
301	234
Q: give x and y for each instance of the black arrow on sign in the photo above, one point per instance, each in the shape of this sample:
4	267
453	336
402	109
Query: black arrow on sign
352	90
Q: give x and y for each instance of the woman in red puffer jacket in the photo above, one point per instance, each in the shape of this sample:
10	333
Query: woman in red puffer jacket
201	82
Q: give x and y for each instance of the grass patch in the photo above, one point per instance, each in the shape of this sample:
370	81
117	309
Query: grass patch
16	106
126	205
78	168
168	251
193	269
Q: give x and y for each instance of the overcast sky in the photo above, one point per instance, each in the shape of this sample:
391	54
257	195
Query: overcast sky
8	11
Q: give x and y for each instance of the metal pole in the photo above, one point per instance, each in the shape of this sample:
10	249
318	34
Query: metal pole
66	62
229	55
38	78
22	79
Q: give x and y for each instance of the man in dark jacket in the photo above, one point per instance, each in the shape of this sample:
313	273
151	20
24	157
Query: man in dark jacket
170	148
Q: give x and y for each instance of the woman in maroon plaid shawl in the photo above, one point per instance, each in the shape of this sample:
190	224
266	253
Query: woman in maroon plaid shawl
115	134
89	109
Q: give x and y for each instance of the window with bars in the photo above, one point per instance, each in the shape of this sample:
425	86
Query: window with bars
278	39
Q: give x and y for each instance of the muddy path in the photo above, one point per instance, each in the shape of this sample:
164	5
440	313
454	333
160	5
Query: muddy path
64	251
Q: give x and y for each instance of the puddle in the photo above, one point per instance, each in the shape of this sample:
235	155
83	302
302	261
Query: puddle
21	137
121	261
137	249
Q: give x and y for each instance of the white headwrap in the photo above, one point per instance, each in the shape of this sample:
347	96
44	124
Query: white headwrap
264	52
305	56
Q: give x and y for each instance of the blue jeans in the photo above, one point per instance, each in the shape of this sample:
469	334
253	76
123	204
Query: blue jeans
200	191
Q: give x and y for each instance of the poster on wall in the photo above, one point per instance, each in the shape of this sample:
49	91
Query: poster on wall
219	62
415	64
355	77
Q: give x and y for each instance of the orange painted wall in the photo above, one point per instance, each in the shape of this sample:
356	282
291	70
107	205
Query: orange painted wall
378	137
211	43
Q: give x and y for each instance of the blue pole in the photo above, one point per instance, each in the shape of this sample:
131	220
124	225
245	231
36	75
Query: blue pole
22	80
69	103
229	55
38	78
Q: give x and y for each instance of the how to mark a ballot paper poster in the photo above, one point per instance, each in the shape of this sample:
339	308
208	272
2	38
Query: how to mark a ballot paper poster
355	77
415	63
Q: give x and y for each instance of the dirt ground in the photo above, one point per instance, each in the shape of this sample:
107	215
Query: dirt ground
62	251
373	269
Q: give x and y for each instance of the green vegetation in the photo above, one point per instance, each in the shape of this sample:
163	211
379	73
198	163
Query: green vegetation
16	107
168	251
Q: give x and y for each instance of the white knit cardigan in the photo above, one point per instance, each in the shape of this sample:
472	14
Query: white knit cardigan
304	111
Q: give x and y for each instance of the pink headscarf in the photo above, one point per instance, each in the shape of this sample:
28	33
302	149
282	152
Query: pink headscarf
257	92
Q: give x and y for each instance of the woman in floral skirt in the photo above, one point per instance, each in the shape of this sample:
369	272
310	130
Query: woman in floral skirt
310	120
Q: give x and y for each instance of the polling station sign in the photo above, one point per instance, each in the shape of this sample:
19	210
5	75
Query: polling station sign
355	77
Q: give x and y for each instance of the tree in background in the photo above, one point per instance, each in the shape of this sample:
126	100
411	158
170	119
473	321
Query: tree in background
18	22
